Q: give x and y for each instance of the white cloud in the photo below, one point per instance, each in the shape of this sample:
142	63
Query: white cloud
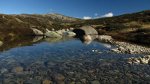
87	17
108	15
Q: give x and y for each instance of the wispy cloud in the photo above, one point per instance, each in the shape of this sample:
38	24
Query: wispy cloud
87	17
108	15
96	15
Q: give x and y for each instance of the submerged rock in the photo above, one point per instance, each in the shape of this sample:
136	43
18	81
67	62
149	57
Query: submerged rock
59	77
47	82
37	32
3	70
18	69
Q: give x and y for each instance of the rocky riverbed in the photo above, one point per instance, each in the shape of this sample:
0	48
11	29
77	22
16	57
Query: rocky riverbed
72	62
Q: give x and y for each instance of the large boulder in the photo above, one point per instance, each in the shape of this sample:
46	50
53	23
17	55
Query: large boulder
37	32
85	30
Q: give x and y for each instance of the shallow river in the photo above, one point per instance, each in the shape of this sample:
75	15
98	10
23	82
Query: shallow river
68	61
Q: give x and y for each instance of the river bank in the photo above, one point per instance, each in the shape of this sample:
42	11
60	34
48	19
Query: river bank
125	47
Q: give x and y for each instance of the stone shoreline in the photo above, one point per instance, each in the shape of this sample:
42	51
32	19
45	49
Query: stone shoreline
124	47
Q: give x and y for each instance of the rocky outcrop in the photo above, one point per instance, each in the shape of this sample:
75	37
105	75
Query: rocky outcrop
139	60
59	33
37	32
85	30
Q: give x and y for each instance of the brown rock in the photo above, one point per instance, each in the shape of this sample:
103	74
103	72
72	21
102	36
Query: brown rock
47	82
59	77
18	69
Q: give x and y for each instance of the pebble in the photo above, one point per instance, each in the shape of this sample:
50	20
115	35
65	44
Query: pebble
18	69
47	81
59	77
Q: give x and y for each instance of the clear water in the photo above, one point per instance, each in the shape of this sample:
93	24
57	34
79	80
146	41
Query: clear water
68	61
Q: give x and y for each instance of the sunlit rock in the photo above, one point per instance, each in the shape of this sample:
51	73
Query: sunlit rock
37	32
46	81
139	60
85	30
105	38
18	69
124	47
59	78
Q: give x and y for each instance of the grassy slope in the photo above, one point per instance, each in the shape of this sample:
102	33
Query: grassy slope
133	27
14	26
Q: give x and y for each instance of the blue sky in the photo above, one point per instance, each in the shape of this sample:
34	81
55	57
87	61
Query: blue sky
74	8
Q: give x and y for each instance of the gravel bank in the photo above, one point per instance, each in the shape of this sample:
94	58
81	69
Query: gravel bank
124	47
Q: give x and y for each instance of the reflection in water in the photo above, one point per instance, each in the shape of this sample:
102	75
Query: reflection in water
1	43
107	45
67	61
37	38
28	41
87	39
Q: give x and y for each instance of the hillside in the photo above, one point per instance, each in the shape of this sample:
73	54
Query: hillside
19	25
134	27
